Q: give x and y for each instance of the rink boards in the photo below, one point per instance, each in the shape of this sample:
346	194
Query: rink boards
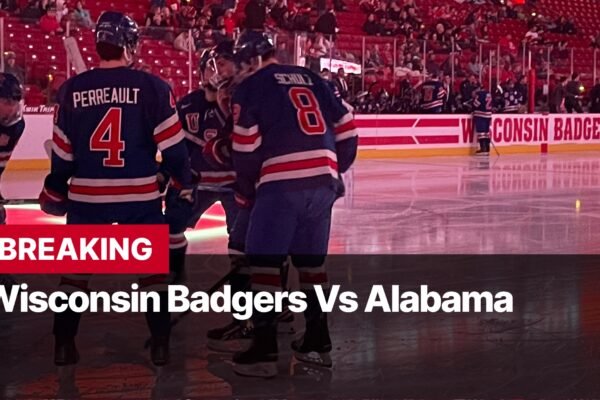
405	135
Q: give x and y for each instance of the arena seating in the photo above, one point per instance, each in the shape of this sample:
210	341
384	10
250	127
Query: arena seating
44	56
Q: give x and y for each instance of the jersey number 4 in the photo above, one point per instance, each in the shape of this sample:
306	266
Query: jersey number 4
310	118
107	138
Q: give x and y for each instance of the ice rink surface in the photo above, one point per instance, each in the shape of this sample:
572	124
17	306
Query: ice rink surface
510	204
515	204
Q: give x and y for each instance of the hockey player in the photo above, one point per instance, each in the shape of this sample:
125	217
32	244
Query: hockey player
206	121
433	96
206	129
512	98
482	117
291	141
12	124
109	123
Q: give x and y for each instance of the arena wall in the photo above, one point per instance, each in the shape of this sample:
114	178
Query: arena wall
388	136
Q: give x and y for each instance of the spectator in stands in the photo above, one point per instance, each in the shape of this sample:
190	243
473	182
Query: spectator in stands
459	71
367	6
373	58
219	34
286	22
184	42
557	96
229	23
256	14
206	38
187	16
283	54
173	5
595	98
533	36
168	17
278	10
321	6
154	10
507	45
158	26
394	11
413	19
381	11
82	16
573	92
392	29
432	67
302	18
61	9
49	24
327	23
11	67
521	87
33	11
474	66
372	27
339	5
507	73
387	55
342	84
8	5
468	86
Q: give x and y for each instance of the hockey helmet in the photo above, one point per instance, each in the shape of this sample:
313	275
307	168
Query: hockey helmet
119	30
215	74
10	88
252	44
11	99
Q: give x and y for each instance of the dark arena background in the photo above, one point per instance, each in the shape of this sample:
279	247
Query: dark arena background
425	202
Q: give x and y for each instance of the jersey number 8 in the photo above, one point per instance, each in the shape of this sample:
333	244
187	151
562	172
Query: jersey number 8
308	112
107	138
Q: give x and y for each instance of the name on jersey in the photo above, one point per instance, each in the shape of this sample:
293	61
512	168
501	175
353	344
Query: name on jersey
107	95
294	79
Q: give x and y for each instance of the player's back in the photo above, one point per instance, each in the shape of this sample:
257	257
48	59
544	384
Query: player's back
291	122
293	109
109	117
108	127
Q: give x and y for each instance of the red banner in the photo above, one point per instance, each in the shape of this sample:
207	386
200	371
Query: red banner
84	249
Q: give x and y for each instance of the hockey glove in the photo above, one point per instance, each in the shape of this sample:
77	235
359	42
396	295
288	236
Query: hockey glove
53	198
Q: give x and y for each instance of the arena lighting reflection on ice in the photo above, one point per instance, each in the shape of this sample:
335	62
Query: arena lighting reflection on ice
211	225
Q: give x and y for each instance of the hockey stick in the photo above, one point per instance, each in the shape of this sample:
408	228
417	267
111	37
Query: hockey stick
495	149
18	202
210	291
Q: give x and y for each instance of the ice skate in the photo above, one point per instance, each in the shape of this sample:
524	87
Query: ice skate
233	337
260	360
314	346
65	352
159	351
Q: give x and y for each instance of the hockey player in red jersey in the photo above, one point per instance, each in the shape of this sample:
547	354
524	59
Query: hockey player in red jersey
292	139
109	124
